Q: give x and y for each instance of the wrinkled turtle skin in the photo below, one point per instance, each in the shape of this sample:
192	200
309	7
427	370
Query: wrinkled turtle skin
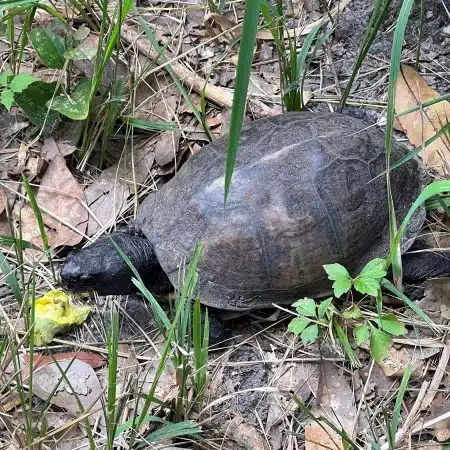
303	194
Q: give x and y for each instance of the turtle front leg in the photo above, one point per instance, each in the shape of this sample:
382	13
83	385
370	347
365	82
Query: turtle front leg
420	266
100	267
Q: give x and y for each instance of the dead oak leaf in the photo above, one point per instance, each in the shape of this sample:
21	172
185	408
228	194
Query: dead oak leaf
61	195
421	125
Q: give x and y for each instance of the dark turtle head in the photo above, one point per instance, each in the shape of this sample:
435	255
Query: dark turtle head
100	267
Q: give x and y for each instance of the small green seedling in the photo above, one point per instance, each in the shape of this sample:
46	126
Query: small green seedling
312	315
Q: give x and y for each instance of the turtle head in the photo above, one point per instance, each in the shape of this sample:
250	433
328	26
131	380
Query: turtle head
101	268
98	267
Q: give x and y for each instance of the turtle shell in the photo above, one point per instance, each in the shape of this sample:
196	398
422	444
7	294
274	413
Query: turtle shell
306	191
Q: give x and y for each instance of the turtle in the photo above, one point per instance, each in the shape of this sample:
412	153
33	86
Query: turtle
308	189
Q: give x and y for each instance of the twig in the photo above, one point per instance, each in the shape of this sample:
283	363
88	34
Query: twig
219	95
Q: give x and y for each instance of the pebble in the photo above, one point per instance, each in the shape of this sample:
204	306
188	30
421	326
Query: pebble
446	30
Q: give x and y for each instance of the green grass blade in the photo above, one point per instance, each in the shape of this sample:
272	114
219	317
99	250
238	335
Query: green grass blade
412	154
10	277
244	65
154	42
396	55
112	342
14	3
423	105
160	315
346	344
150	126
433	189
376	20
398	404
410	304
38	214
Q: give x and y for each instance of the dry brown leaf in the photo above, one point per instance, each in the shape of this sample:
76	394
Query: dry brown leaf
106	199
48	380
60	194
440	405
244	434
395	364
51	148
336	402
419	126
95	360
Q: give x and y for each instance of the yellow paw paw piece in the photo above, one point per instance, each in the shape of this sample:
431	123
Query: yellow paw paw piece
54	314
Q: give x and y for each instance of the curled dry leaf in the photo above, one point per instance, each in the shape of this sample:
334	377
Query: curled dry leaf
419	126
61	195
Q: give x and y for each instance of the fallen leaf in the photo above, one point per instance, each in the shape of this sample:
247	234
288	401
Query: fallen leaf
301	379
419	126
60	194
436	301
9	403
49	384
440	405
106	199
395	364
51	148
244	434
95	360
335	402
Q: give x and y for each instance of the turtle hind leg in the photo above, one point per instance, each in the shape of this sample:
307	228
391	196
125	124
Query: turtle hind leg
424	264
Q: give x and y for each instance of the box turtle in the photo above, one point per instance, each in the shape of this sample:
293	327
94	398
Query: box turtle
306	191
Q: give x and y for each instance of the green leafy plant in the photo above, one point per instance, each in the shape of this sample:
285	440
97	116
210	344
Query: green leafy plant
367	282
312	316
11	84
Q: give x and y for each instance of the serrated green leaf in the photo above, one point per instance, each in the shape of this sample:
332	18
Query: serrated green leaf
298	324
306	307
342	280
367	285
336	271
323	307
374	269
7	98
76	106
342	286
4	77
353	313
379	344
390	323
361	333
310	334
33	101
21	82
49	46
